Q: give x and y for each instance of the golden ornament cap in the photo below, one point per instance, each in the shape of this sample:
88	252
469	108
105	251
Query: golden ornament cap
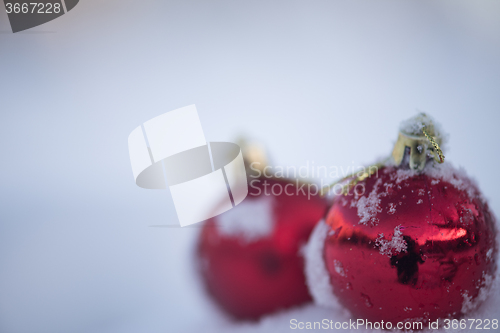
422	137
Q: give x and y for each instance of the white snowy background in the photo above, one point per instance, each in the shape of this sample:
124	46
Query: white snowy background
323	81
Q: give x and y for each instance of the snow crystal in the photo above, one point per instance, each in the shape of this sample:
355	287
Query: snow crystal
489	254
252	219
435	181
369	206
354	203
388	187
339	268
396	245
317	277
392	208
420	201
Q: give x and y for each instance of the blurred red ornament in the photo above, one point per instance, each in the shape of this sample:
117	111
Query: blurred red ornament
411	245
249	256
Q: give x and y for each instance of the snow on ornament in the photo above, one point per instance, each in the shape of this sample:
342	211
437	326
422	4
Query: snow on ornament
249	257
410	240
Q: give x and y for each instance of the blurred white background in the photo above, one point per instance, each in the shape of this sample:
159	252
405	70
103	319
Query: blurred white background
323	81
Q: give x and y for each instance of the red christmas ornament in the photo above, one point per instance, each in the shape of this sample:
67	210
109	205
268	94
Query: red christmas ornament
249	256
412	241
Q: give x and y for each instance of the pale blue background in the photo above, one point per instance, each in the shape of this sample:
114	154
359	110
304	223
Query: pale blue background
327	81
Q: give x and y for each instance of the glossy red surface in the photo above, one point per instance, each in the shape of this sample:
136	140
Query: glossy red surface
249	280
450	248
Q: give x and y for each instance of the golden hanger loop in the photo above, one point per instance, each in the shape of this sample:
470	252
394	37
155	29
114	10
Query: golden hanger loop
435	145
